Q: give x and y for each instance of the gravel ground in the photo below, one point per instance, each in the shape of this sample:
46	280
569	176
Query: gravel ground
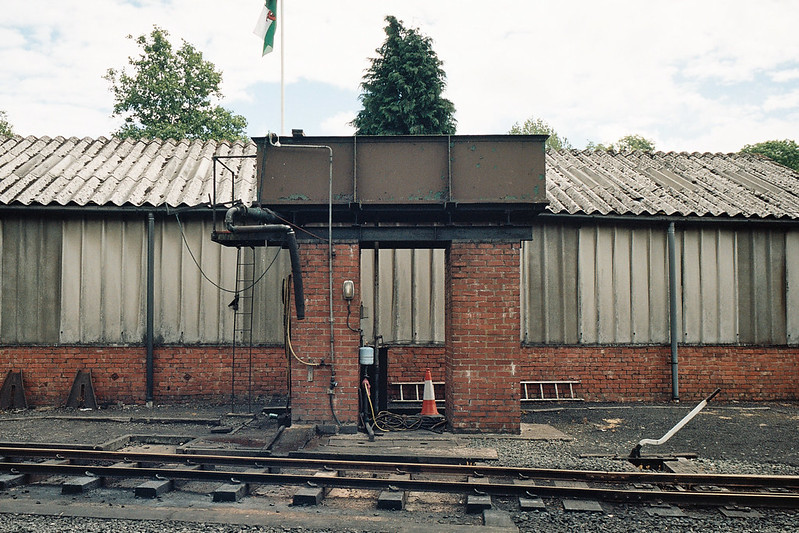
728	438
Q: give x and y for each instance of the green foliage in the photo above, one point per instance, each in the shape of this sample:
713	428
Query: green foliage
783	152
628	143
401	90
5	127
168	94
536	126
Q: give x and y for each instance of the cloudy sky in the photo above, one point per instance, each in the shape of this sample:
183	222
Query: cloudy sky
691	75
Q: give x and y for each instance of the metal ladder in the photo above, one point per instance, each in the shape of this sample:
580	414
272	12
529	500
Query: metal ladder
242	306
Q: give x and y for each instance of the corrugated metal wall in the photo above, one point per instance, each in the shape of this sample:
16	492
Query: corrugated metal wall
83	281
189	308
409	302
30	260
733	283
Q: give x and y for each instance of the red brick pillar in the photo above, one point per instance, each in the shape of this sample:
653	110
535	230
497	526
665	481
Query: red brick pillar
310	399
482	337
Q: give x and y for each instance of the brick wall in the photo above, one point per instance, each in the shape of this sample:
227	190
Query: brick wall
482	337
643	373
408	363
181	373
311	338
608	373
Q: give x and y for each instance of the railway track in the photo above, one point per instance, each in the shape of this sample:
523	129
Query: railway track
28	464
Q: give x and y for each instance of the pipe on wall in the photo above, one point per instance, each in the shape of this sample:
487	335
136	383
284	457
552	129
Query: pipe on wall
673	326
150	305
286	235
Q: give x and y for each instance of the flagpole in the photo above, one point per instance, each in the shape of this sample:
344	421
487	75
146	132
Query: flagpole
281	16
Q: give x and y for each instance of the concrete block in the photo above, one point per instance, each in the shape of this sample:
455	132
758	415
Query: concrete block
82	484
392	500
11	480
153	488
582	506
477	502
531	504
231	492
497	518
308	496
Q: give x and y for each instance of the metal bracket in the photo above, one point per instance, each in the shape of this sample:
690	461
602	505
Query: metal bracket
82	393
12	394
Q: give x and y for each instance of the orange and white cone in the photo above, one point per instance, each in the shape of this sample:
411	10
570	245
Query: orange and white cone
429	397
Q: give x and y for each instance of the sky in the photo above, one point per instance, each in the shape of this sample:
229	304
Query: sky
695	76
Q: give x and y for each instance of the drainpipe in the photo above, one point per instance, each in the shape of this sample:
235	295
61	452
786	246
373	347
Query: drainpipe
150	300
333	383
673	327
284	232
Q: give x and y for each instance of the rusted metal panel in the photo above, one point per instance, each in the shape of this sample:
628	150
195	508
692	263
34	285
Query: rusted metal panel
498	169
295	174
414	171
398	170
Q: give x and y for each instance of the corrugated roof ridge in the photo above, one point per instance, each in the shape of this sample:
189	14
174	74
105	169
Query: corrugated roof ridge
663	199
782	190
201	172
596	203
626	184
747	201
700	198
37	175
555	193
140	177
66	171
184	171
10	163
101	149
155	193
113	186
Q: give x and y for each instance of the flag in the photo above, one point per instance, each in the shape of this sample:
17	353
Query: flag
267	25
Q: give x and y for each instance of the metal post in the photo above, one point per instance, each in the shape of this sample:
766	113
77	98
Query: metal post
150	304
673	326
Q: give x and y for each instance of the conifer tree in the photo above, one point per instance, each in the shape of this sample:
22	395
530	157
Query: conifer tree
402	90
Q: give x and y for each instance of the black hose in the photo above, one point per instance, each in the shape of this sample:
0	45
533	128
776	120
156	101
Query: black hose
296	271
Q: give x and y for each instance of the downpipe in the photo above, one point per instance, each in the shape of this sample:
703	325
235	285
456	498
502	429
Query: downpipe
287	237
674	330
274	140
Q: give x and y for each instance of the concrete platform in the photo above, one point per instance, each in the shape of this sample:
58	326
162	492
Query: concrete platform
405	446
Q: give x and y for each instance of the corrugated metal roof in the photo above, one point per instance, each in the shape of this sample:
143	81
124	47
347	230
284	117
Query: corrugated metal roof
643	183
119	172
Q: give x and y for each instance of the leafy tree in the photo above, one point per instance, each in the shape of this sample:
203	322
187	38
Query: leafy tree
628	143
783	152
168	94
5	127
401	90
536	126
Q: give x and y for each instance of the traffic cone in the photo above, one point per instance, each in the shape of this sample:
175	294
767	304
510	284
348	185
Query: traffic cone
429	397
